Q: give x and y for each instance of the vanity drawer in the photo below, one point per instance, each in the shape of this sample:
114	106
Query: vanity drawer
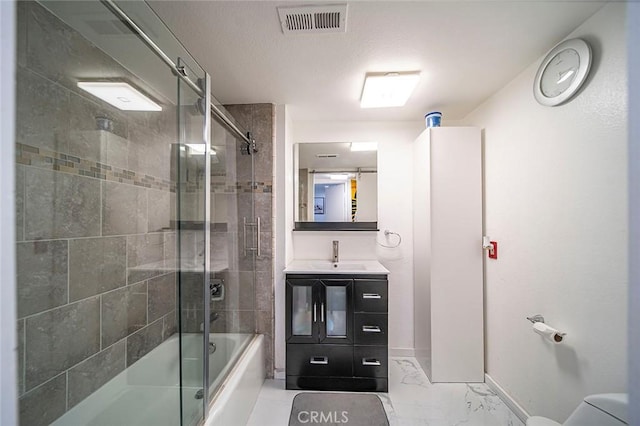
319	360
370	361
371	295
370	329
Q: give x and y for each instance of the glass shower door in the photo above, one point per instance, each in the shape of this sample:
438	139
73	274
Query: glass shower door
233	251
192	223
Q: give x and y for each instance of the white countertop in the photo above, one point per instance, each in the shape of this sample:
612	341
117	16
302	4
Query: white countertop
321	266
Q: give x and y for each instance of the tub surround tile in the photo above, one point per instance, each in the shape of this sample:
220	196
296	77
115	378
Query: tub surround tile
21	34
242	113
264	325
169	325
124	311
264	291
48	123
96	265
44	404
264	263
142	342
42	276
153	152
85	109
59	205
268	356
20	331
224	323
100	146
143	250
162	296
19	203
263	208
72	165
243	321
58	339
239	292
170	245
159	210
263	125
193	318
124	209
86	377
58	52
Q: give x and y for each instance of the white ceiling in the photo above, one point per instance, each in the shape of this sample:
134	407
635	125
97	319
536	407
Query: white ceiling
465	51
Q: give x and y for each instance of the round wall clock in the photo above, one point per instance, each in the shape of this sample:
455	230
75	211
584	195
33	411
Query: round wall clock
562	72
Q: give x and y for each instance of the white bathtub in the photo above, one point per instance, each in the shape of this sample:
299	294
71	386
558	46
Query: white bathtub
148	392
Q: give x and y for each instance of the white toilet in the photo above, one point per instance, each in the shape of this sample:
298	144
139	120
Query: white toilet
606	409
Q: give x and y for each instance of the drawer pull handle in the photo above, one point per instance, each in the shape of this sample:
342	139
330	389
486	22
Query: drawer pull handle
319	360
371	296
371	329
371	362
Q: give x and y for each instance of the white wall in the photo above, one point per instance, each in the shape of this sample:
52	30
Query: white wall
8	342
633	41
283	223
394	213
556	202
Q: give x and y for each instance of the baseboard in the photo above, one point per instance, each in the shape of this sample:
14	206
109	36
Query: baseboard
410	352
507	399
279	374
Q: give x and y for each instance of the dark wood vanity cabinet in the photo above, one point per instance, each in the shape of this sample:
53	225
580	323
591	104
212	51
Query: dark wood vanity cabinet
337	332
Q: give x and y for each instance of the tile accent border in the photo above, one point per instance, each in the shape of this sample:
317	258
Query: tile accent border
50	160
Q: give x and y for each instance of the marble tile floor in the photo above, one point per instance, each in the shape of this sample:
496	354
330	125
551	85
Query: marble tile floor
412	400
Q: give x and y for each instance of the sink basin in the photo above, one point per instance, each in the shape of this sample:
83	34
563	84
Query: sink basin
343	267
340	266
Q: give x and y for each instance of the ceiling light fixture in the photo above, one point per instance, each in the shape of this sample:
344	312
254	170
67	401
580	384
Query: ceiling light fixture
120	94
390	89
364	146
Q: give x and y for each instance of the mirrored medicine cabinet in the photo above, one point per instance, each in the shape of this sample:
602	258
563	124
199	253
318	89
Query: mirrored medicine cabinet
336	186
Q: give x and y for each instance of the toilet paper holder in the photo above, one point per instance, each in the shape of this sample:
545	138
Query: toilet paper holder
536	318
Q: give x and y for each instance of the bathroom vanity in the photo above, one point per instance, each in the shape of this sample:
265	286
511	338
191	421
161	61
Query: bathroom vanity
337	326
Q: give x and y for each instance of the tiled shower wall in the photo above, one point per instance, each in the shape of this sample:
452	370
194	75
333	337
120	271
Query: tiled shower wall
260	119
95	292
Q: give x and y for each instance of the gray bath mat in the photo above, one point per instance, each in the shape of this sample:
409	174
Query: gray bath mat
325	409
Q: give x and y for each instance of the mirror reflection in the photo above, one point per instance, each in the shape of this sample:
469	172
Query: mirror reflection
337	182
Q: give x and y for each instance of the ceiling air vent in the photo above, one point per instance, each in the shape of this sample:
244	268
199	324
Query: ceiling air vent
313	19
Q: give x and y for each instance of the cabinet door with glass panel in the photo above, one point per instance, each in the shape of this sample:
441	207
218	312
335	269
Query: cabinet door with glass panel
319	311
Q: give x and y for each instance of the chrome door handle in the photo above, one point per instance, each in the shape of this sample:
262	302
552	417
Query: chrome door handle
244	236
258	235
371	329
371	296
322	312
319	360
315	314
371	362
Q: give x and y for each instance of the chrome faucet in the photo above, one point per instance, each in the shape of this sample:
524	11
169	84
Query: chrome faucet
335	251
